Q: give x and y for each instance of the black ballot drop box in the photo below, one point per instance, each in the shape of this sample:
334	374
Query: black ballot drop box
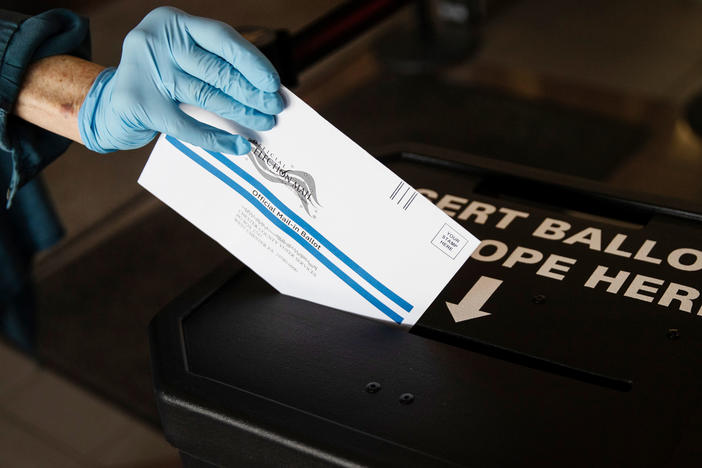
572	337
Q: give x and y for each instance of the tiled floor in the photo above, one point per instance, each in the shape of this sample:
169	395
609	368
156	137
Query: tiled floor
46	421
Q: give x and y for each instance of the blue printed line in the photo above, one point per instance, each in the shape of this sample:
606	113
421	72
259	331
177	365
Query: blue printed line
285	228
331	247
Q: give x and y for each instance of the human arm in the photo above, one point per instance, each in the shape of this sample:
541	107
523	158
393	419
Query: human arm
168	59
52	92
25	148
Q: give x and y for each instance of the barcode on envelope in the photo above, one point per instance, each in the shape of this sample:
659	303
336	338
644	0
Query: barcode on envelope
403	195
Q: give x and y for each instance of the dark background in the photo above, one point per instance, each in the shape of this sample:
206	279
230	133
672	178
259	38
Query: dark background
601	90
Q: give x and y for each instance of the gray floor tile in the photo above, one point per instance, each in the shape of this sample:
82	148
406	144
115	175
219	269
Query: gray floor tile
141	446
20	448
70	415
15	369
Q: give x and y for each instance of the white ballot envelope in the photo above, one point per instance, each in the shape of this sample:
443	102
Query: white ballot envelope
314	214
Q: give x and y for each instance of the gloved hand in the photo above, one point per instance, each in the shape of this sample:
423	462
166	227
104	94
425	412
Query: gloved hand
170	58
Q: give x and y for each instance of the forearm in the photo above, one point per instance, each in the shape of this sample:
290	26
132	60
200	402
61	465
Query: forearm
52	92
170	58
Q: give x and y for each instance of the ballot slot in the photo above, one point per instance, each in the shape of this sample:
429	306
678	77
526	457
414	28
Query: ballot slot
553	199
572	355
572	321
523	359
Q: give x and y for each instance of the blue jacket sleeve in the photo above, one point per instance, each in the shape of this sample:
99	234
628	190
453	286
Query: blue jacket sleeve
25	148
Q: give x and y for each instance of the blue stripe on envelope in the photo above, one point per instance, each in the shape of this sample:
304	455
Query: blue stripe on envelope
331	247
285	228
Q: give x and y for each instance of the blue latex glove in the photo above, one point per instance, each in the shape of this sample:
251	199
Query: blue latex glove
170	58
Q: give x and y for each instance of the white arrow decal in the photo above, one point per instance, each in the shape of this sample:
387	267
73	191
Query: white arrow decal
469	307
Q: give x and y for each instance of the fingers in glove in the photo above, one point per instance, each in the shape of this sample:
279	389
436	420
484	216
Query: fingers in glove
190	90
222	40
212	69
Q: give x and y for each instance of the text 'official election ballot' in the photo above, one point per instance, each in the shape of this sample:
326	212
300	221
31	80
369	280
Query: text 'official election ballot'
314	214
